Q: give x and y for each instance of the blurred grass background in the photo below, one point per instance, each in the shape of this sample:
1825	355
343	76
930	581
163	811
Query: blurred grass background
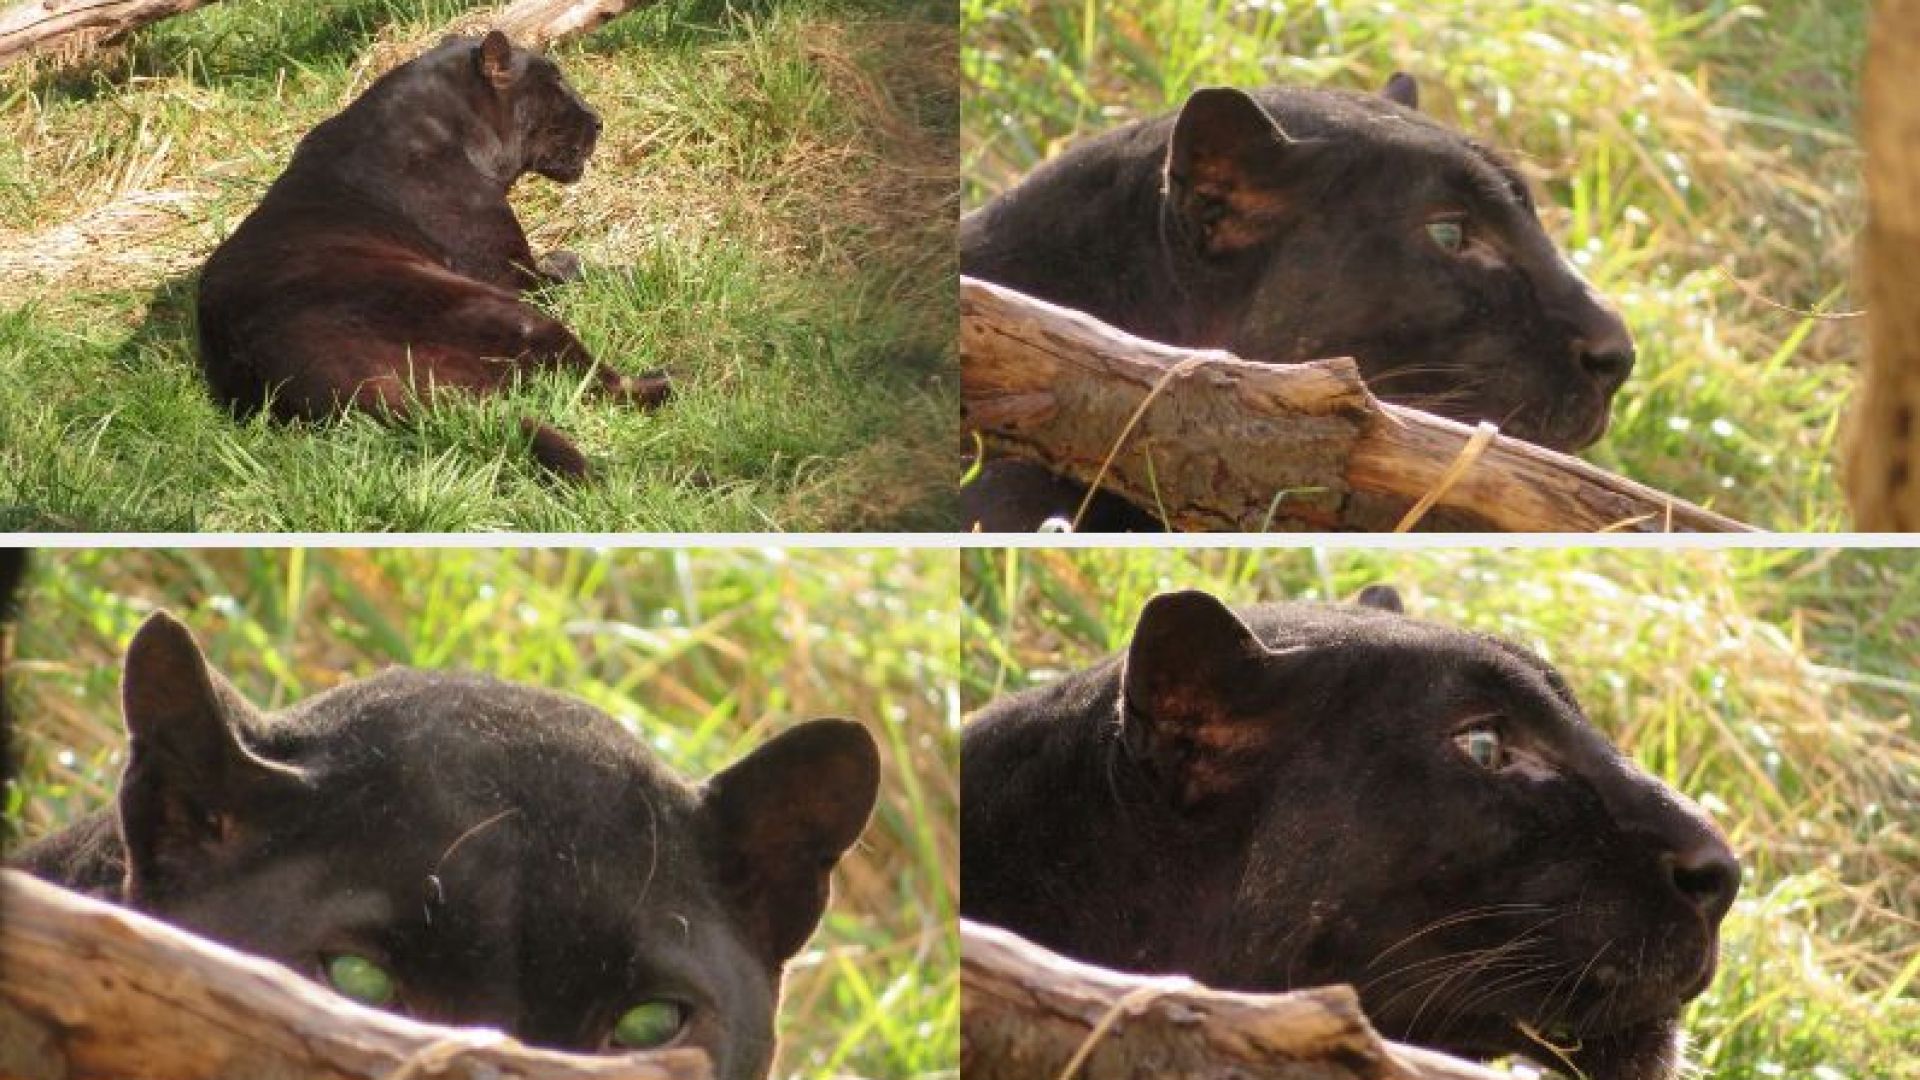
1696	160
1779	688
703	653
769	216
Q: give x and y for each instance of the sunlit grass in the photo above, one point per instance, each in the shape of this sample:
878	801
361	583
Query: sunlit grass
1696	160
1780	689
703	653
769	217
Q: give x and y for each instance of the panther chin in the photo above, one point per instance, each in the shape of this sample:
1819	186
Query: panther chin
1568	427
567	170
1614	1005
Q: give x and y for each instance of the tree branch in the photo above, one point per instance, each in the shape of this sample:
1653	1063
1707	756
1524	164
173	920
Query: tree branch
38	23
1026	1013
539	23
92	991
1218	442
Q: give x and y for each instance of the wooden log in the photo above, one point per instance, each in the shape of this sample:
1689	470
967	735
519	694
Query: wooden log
1882	471
1215	442
539	23
35	24
92	991
1026	1012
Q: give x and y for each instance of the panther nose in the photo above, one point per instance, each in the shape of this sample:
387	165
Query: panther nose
1609	362
1602	344
1707	875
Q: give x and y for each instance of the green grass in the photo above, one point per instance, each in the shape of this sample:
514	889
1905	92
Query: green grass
702	652
1696	157
769	217
1779	688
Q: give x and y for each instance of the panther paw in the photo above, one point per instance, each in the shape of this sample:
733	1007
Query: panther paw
560	266
649	391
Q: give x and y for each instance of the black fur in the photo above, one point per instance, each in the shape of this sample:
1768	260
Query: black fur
386	262
514	857
1277	798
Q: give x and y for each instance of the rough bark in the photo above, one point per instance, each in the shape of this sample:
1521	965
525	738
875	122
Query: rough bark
539	23
91	991
1224	443
36	24
1883	447
1026	1012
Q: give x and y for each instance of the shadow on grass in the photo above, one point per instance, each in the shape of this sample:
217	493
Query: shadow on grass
167	332
69	473
247	42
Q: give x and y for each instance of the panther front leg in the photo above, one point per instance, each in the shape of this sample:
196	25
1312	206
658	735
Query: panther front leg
558	267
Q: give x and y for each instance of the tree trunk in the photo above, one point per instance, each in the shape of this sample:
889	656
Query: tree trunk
37	23
1883	445
1211	441
91	991
1026	1013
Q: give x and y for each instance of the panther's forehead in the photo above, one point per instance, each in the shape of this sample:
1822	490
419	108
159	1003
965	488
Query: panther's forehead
1448	666
1288	624
1369	121
404	711
1363	142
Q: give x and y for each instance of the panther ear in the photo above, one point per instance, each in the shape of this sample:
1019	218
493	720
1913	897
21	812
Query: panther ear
189	775
1381	598
1191	684
781	818
1402	90
1224	146
493	57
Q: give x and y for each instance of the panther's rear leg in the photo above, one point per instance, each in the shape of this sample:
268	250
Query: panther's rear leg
391	398
546	342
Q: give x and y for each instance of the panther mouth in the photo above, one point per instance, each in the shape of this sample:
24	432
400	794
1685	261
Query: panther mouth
566	169
1569	427
1596	429
1599	997
568	163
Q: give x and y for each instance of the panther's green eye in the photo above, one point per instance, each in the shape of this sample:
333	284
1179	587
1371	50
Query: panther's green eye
1447	233
1483	747
360	979
650	1024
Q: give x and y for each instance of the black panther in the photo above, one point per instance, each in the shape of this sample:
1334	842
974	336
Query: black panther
1291	224
469	851
1295	795
386	264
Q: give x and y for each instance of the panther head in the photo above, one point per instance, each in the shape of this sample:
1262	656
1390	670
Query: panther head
536	112
1429	817
1326	224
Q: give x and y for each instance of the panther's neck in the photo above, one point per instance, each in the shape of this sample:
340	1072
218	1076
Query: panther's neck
87	857
1076	851
1087	231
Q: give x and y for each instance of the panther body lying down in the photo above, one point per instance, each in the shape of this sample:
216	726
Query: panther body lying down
386	263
